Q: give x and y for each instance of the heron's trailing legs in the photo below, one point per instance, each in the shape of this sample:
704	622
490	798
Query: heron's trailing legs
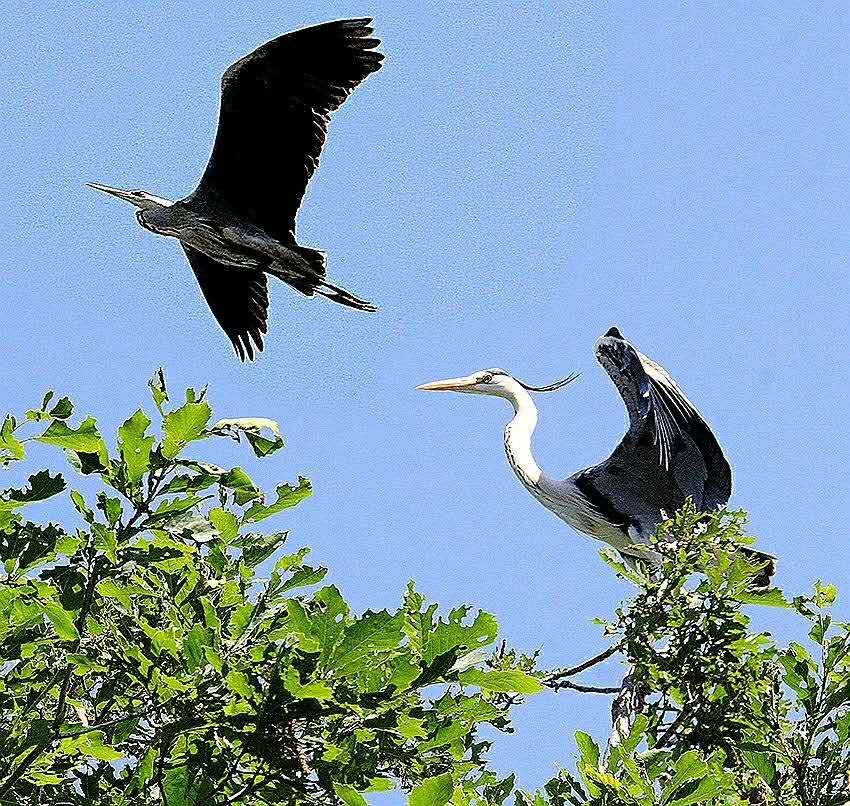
340	295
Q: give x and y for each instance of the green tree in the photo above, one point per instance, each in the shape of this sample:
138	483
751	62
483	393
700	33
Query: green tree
710	711
159	649
145	659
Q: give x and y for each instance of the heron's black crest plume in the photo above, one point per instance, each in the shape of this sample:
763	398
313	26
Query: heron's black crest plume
238	226
552	387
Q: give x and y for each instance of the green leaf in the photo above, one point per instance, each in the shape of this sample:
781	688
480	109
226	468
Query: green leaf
11	448
179	788
62	621
614	560
182	426
239	683
411	727
225	523
316	690
134	446
85	439
83	664
588	748
773	597
262	434
825	595
704	793
41	412
111	590
41	487
763	763
349	795
240	620
511	681
193	645
432	791
257	548
63	409
111	507
159	390
91	744
242	485
211	618
303	577
689	767
381	785
287	496
106	541
438	640
80	505
368	635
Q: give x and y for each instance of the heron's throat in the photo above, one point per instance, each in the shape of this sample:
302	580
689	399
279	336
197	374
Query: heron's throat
518	442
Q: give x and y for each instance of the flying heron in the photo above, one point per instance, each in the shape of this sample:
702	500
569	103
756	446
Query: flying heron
667	455
238	225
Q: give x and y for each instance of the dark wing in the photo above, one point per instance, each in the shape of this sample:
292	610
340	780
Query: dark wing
669	452
239	301
275	110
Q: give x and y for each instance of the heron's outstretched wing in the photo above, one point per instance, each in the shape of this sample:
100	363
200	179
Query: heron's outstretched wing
275	109
669	452
239	301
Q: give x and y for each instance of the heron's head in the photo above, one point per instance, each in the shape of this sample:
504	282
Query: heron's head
138	198
495	382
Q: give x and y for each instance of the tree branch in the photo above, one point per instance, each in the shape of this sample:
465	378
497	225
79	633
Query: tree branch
556	679
571	671
557	685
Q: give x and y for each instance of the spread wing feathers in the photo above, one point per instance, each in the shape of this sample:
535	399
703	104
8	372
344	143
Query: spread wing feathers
239	301
275	109
662	419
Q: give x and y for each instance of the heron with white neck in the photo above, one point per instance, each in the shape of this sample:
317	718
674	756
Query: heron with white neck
667	455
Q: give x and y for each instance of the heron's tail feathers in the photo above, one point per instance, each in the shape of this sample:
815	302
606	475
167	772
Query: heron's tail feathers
316	260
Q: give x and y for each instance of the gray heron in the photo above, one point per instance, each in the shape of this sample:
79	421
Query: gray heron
667	454
238	225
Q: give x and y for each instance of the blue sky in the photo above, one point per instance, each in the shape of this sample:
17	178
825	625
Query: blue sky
517	178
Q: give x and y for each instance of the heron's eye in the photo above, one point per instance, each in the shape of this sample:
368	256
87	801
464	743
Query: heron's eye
487	377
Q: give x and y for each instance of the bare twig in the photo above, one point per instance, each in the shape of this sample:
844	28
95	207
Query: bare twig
571	671
557	685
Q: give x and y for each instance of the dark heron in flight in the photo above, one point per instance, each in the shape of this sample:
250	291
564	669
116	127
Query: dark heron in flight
239	223
667	455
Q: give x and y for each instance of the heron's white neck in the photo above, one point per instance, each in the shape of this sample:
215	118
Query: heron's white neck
518	440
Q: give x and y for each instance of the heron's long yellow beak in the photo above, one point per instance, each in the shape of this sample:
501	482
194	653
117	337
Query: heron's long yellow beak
448	385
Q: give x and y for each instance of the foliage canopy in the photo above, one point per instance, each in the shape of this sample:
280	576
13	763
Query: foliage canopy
159	649
146	658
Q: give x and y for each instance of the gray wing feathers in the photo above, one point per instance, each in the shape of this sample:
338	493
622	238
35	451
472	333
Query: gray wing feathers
666	433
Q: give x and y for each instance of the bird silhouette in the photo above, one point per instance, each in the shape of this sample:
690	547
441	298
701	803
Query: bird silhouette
238	226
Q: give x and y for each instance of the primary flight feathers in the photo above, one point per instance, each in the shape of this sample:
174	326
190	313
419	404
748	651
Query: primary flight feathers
239	223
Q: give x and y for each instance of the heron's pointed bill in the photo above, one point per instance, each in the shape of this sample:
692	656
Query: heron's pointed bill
448	385
124	195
